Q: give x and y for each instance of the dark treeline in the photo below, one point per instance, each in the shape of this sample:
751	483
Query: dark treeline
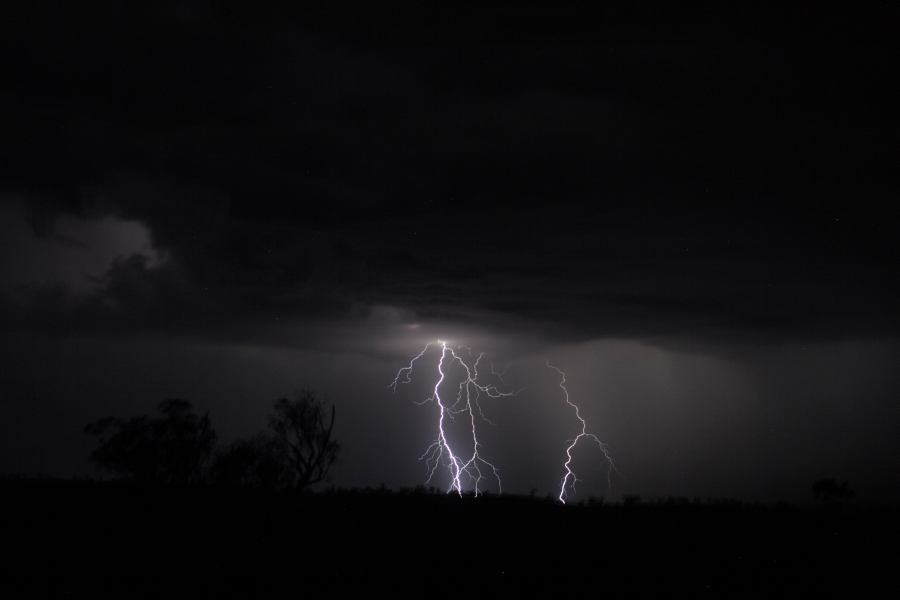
185	515
179	447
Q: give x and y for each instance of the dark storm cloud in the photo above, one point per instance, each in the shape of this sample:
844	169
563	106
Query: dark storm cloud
227	204
626	176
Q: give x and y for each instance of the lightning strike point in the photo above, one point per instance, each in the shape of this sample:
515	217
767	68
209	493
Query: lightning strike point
569	478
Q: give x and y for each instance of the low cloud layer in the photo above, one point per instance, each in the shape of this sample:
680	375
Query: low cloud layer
691	177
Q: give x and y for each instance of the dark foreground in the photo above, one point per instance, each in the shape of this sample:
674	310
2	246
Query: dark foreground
83	539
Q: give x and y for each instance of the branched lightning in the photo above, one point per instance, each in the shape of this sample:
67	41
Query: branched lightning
467	469
569	479
472	468
499	374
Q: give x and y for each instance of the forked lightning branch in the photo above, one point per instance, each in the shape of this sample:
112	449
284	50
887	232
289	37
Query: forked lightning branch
467	467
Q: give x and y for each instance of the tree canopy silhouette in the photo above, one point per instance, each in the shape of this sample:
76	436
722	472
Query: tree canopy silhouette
297	451
303	431
829	491
177	446
172	448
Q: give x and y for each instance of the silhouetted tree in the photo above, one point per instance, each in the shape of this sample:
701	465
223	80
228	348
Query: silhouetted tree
170	449
257	462
829	491
303	431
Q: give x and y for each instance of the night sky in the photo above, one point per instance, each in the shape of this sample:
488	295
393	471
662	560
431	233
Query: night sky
694	213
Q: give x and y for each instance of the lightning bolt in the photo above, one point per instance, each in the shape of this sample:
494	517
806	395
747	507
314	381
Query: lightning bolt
463	470
569	479
467	470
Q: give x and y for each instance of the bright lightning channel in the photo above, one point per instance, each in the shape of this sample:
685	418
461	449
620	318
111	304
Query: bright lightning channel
569	478
472	468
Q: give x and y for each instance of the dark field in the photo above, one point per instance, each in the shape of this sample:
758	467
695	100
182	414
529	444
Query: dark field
92	539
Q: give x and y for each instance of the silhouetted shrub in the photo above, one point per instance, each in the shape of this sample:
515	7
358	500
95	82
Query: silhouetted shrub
176	447
829	491
303	437
172	448
256	462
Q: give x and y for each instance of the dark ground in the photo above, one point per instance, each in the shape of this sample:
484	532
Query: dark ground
90	539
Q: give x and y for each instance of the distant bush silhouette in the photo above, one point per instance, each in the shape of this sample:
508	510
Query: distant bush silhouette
257	462
172	448
631	500
829	491
303	433
177	447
